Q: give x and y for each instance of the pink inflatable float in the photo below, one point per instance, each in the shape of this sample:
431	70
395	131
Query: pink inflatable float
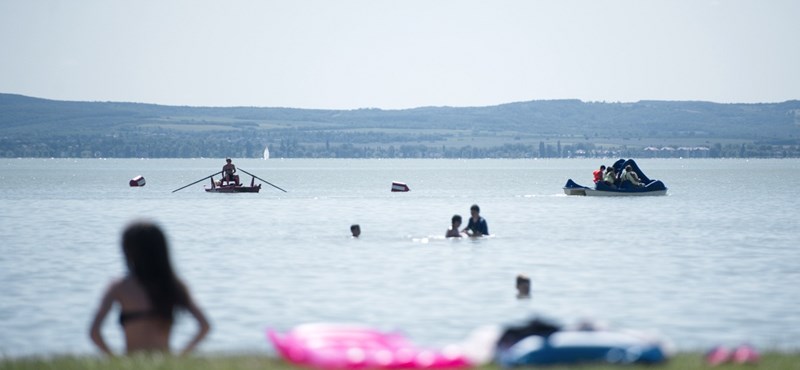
332	346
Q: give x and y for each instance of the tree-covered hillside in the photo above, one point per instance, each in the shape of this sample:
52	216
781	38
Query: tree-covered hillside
32	127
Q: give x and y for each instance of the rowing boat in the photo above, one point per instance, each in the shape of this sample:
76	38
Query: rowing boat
225	186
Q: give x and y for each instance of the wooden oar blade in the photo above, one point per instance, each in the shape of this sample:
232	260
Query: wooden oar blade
186	186
274	186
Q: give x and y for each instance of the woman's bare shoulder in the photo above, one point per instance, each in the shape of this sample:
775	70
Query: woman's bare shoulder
121	285
114	290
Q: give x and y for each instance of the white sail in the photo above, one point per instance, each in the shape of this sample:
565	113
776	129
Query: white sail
266	152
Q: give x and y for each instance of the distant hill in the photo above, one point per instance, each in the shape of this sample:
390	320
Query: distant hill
33	127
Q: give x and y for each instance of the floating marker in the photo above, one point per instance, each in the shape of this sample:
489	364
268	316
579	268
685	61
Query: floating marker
137	181
399	186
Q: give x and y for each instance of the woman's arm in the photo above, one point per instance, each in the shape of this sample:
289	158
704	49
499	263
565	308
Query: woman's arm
201	320
100	315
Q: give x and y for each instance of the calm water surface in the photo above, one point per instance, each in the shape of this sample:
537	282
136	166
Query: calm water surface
713	262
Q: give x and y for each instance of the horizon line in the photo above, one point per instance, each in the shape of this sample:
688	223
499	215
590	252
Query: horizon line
398	109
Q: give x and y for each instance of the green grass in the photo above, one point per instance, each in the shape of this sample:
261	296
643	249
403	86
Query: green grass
683	361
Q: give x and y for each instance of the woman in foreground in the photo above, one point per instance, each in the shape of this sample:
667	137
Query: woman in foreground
148	296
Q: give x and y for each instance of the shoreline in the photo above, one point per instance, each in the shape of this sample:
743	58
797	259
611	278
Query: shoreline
253	361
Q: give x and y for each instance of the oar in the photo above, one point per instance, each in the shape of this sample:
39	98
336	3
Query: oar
211	175
262	180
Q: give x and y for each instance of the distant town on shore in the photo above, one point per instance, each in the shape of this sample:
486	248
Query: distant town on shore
41	128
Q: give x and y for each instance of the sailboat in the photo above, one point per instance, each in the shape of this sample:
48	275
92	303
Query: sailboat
266	152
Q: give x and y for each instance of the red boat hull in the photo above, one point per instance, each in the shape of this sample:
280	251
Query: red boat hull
230	187
235	189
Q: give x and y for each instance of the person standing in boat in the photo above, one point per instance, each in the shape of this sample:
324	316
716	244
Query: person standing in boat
229	172
598	174
148	297
477	225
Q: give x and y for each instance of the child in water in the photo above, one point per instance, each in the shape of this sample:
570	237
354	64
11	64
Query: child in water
453	231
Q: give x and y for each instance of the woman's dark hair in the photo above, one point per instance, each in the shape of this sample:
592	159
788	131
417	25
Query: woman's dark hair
146	252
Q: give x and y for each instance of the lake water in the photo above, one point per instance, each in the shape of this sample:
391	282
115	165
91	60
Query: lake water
713	262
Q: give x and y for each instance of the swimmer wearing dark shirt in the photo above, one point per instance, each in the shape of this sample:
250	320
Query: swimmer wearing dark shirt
477	224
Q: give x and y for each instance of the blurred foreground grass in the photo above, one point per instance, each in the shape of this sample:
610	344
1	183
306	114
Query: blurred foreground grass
683	361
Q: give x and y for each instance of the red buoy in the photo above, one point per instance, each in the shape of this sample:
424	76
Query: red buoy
399	186
137	181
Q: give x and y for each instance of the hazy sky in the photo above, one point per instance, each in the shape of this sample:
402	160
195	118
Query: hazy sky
399	54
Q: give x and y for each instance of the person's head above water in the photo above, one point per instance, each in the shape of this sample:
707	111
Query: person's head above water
355	229
456	220
523	286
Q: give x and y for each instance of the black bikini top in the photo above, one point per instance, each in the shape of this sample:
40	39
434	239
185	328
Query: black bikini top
125	317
